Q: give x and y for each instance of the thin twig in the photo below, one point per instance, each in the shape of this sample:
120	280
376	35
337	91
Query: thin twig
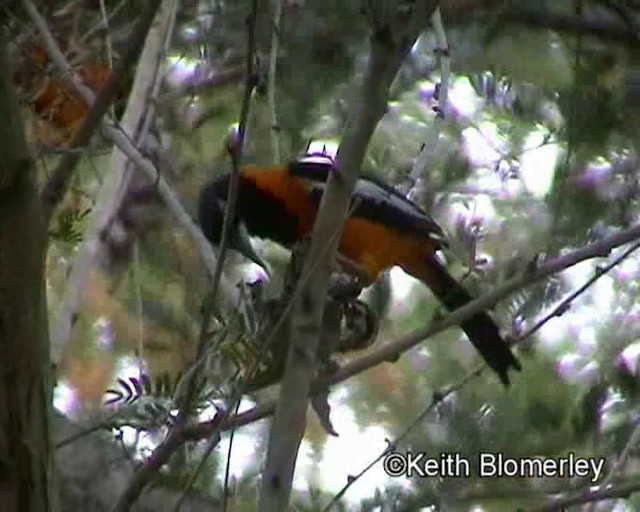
432	144
561	178
391	446
440	396
445	61
591	495
222	422
107	39
273	60
122	140
137	285
103	23
235	149
393	35
83	432
58	183
390	351
227	469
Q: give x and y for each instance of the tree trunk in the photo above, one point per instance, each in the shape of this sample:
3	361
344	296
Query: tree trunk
25	384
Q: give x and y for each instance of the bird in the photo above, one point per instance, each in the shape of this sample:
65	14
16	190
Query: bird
383	229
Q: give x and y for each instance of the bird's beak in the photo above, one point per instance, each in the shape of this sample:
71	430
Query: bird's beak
241	242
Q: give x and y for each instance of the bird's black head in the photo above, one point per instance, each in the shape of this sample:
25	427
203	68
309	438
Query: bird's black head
211	211
211	208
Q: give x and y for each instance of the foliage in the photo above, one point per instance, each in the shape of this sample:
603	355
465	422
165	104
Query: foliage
518	89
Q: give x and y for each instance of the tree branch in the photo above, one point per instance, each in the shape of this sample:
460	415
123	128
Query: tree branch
393	34
152	465
273	60
122	140
203	430
440	396
176	437
58	183
591	495
606	28
94	469
392	350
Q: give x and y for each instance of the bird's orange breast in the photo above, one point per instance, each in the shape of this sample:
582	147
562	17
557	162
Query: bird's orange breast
288	191
373	245
377	247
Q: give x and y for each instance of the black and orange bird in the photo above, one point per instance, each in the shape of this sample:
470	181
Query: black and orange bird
383	229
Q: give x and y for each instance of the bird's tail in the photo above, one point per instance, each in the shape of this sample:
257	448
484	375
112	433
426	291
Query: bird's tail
480	328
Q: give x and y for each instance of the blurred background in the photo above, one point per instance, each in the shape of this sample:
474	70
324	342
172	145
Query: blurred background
537	154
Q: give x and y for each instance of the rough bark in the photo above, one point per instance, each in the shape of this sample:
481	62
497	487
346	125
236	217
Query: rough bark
25	384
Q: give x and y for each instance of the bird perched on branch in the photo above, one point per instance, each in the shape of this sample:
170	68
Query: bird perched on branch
383	229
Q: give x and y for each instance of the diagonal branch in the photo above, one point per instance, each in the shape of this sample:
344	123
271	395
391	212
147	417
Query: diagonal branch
606	28
58	183
392	350
176	438
65	320
440	396
203	430
591	495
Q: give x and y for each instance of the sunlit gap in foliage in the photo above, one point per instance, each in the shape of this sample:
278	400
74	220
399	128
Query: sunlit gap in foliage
182	70
352	451
630	358
463	100
328	147
489	153
67	399
580	325
486	148
502	172
613	411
